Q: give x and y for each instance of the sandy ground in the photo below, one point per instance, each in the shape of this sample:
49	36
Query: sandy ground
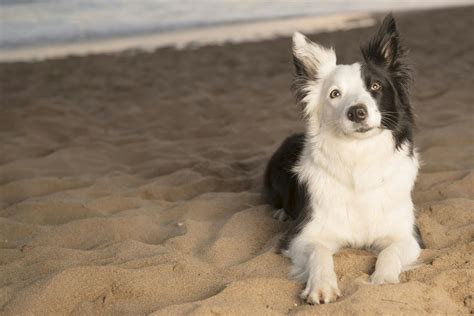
130	184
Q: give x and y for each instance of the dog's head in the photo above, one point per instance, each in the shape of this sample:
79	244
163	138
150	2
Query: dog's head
358	100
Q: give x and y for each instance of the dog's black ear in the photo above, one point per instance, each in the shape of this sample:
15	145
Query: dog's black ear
385	47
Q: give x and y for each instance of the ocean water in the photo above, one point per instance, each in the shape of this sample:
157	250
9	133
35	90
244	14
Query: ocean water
25	23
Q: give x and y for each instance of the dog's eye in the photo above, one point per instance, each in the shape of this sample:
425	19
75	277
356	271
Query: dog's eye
375	86
334	94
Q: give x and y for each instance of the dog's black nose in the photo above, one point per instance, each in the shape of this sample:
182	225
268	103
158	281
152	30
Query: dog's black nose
357	113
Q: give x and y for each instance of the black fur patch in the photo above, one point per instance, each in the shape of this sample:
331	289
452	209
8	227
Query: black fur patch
417	234
297	225
383	62
282	188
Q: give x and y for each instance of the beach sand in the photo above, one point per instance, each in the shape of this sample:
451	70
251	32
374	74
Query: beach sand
130	183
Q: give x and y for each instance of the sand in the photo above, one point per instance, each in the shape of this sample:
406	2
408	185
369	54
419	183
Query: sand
130	183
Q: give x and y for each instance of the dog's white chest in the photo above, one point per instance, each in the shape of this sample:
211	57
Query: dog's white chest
361	204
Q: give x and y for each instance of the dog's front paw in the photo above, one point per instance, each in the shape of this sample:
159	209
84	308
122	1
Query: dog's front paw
382	277
321	290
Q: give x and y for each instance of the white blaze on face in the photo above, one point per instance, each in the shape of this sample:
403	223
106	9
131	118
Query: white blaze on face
347	79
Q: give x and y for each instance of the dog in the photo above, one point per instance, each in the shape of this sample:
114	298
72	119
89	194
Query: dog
347	180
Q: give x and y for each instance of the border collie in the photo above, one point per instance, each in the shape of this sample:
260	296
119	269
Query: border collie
347	181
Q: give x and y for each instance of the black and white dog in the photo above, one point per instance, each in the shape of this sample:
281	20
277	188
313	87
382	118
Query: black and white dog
347	180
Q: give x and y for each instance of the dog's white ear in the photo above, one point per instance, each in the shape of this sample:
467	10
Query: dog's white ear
311	60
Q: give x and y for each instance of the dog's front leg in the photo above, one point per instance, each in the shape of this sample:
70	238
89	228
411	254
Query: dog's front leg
321	286
393	259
